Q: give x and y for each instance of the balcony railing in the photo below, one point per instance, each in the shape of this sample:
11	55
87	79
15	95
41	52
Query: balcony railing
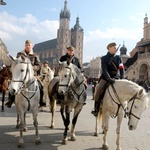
144	55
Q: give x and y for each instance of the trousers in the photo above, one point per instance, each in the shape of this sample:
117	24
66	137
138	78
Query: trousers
99	89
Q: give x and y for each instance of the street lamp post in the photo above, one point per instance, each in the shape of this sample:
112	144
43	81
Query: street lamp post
2	3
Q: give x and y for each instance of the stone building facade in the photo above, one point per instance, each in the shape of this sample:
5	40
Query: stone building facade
95	67
52	50
4	59
140	66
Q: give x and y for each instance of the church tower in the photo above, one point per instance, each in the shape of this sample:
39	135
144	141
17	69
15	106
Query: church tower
64	32
77	35
146	29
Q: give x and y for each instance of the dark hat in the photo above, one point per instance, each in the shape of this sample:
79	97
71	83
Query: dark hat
111	45
70	48
46	62
28	42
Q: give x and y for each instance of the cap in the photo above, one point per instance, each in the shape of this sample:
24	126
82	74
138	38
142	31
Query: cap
70	48
111	45
46	62
28	42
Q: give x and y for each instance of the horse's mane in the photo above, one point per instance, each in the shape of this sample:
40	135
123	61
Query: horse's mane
135	86
131	83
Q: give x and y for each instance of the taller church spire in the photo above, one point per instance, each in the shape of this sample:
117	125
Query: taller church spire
65	13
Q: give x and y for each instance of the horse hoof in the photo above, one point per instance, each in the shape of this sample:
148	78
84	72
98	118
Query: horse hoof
38	142
105	147
73	139
52	126
17	126
20	145
64	141
2	110
95	134
25	129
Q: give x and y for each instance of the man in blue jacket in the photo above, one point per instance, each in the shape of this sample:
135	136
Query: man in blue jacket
111	65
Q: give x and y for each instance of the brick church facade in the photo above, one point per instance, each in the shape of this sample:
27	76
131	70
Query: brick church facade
53	49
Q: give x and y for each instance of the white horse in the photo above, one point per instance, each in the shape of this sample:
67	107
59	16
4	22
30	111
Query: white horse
47	78
122	98
70	84
24	86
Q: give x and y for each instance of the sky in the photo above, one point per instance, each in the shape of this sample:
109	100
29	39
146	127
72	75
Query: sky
103	21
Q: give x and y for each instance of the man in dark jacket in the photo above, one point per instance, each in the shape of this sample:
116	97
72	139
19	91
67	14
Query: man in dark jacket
34	58
70	55
74	60
110	64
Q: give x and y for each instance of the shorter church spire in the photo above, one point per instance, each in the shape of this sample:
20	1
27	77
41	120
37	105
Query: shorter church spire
77	26
146	19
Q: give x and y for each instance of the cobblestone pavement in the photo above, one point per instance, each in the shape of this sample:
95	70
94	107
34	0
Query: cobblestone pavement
51	138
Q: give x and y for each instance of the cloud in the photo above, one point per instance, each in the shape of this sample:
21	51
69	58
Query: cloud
14	31
95	41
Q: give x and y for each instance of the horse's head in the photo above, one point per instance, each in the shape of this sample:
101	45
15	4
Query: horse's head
6	73
68	74
136	106
22	72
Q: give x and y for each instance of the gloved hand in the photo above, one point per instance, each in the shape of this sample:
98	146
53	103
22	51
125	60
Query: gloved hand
111	80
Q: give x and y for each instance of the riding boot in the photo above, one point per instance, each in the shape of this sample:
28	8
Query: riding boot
11	99
41	94
96	108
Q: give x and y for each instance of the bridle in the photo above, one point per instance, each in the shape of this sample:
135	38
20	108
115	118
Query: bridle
130	112
23	81
70	87
25	88
69	79
127	113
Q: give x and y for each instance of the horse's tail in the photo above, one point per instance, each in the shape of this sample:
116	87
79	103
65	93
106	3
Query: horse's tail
100	114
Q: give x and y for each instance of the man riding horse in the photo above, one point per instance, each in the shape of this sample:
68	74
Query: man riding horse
44	70
110	63
34	58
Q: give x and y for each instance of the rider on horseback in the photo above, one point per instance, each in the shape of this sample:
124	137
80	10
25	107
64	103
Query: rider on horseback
34	58
110	63
44	70
74	60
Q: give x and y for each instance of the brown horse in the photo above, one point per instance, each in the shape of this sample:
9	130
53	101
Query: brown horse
5	75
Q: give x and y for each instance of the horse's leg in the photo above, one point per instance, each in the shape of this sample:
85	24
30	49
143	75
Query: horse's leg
62	108
21	116
96	127
74	120
105	125
25	129
119	121
53	109
3	100
66	123
35	123
18	122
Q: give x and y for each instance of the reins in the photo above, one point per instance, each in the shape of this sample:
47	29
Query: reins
120	104
72	89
